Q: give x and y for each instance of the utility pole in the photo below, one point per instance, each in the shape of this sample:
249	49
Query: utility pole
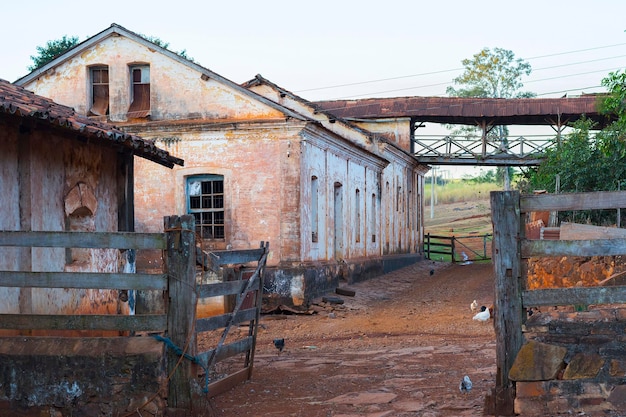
432	192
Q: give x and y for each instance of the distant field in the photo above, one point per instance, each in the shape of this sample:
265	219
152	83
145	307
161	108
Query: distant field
459	191
461	209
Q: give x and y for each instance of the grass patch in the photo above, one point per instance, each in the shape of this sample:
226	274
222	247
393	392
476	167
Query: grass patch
458	191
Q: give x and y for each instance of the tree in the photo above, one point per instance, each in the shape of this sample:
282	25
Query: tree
51	50
495	74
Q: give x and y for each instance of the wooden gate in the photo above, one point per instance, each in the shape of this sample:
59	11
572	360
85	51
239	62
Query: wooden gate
234	350
511	251
458	248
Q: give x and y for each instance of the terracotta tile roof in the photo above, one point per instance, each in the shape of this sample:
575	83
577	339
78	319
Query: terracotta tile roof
17	101
457	110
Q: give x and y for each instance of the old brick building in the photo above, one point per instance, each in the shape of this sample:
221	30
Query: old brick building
335	201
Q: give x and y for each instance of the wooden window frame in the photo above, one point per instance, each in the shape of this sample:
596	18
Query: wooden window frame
99	85
205	200
139	91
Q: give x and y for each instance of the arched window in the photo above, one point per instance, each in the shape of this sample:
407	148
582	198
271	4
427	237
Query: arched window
357	215
314	209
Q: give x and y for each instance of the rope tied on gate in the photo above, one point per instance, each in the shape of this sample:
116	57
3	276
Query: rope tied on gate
194	359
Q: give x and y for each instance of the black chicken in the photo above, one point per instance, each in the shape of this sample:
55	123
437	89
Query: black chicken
280	344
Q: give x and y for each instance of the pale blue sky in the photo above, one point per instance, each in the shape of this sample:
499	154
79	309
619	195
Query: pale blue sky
305	46
371	48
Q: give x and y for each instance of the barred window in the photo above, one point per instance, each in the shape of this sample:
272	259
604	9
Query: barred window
205	200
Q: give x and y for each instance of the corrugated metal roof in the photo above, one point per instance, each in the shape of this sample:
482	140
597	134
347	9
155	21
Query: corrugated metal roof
15	100
456	110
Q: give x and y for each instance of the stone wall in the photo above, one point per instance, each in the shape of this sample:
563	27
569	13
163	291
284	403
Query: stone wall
572	362
81	376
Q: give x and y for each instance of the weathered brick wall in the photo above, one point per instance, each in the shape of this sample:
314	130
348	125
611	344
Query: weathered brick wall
81	376
572	362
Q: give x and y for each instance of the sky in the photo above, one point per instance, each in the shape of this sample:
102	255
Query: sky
340	49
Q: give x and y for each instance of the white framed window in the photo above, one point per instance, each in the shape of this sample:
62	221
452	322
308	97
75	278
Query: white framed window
205	200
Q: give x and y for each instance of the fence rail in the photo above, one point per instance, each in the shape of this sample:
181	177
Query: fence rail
83	280
458	248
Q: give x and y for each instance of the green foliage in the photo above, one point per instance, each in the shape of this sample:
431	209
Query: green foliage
586	162
492	74
51	50
483	177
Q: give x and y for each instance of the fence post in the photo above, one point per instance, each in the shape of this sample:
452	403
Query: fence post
452	249
180	263
505	217
428	243
485	247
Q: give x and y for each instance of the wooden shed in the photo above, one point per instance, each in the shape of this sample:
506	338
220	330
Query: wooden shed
60	171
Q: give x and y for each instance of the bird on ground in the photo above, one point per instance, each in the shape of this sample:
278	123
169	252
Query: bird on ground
432	272
483	315
466	385
474	306
279	344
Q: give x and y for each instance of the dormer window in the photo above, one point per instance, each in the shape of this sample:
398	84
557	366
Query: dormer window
140	91
99	91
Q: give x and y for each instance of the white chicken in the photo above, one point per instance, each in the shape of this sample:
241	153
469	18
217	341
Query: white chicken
474	306
466	385
483	315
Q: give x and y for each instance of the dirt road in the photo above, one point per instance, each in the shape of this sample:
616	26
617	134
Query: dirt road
399	347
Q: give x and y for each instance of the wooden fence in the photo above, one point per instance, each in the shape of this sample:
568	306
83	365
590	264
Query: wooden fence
177	326
458	248
512	250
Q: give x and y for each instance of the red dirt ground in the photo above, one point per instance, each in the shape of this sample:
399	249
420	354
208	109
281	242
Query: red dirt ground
399	347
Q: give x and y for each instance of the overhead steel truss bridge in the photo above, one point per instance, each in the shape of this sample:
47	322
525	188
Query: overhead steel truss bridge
473	150
482	113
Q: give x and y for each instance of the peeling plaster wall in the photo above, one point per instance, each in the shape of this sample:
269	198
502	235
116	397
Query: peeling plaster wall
260	166
172	84
397	130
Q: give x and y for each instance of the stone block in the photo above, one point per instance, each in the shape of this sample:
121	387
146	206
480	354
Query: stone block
617	368
530	389
583	365
558	406
530	407
537	362
617	398
620	314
